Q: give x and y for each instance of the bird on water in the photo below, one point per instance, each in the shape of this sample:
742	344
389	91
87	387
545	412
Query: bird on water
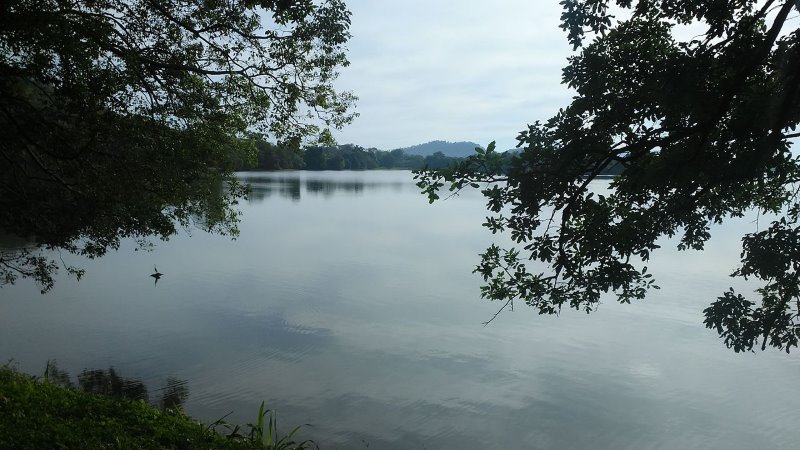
157	275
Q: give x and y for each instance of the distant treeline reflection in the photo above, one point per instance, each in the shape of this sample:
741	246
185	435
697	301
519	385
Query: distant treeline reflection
110	383
263	186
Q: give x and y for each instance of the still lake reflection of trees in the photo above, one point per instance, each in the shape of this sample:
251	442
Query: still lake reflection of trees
110	383
288	185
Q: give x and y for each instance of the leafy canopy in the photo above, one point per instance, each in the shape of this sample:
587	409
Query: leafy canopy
701	128
125	118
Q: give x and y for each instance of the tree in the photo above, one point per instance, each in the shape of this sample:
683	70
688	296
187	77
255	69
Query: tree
315	157
702	129
125	118
438	161
277	157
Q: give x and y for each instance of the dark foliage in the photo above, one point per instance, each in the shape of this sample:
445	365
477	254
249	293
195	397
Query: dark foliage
699	130
125	118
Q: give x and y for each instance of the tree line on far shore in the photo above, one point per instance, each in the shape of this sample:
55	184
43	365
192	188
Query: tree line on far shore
271	156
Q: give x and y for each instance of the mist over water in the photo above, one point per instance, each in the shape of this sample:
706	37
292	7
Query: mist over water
348	302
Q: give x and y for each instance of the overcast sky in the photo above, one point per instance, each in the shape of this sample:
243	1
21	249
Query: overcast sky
456	70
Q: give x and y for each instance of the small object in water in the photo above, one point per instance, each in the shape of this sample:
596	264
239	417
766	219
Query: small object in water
156	275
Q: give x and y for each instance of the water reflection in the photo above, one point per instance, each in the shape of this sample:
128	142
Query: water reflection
174	393
262	188
110	383
357	312
294	185
272	335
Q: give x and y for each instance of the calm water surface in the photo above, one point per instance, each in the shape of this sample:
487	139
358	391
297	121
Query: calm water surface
348	303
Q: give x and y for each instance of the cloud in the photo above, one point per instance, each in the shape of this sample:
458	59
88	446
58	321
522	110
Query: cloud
455	70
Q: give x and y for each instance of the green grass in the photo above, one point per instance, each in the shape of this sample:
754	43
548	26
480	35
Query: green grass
36	414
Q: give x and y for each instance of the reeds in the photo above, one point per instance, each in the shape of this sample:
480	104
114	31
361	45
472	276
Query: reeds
264	433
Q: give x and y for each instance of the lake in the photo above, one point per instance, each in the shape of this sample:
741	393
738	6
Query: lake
348	302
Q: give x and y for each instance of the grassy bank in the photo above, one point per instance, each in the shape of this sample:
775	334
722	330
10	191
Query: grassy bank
37	414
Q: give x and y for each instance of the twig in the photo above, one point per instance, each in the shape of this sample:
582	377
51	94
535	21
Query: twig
499	311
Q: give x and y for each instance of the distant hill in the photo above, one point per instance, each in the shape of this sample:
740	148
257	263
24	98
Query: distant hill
457	149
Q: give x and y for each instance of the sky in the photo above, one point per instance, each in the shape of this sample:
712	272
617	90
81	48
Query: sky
454	70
